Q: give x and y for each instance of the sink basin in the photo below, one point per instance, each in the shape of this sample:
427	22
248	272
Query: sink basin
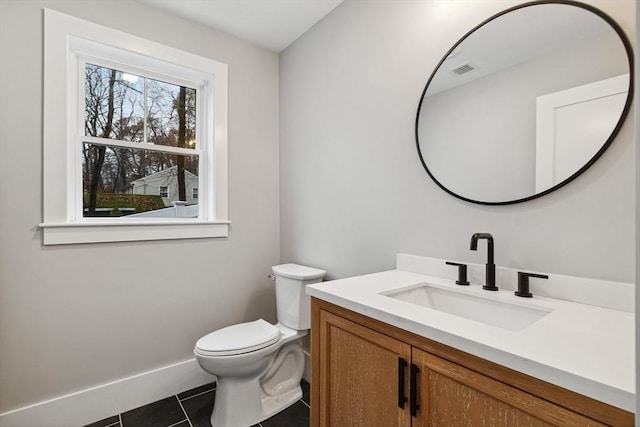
488	310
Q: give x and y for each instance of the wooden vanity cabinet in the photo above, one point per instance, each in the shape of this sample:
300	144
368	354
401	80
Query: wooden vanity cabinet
360	364
366	373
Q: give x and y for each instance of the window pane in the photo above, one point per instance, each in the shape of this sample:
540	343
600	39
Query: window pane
114	104
122	181
171	111
115	107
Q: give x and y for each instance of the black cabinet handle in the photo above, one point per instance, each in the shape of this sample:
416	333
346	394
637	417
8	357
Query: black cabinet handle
413	391
402	366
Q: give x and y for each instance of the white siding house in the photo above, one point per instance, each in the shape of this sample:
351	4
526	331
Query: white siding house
165	185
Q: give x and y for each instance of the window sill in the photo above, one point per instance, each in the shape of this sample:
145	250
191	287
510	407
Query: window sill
104	231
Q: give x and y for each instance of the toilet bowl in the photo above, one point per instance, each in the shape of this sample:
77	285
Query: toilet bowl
259	365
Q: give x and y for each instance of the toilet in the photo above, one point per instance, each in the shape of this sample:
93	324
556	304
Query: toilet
259	365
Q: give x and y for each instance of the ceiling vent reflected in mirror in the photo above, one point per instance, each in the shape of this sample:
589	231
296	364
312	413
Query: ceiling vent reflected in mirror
463	69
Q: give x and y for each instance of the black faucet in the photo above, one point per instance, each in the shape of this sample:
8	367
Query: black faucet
490	284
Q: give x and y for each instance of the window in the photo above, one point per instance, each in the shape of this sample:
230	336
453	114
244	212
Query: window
123	114
143	123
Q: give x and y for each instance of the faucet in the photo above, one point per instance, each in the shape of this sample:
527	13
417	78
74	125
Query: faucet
490	284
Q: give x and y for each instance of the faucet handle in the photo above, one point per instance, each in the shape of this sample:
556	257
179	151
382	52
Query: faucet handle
523	283
462	273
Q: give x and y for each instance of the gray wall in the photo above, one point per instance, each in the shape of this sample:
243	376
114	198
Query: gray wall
76	316
353	192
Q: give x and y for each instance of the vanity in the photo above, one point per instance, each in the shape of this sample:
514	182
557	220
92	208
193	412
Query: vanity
423	346
389	349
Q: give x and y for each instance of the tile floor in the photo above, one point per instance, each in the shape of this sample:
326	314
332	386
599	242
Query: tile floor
193	409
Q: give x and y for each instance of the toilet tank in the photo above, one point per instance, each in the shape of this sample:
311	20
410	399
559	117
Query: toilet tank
293	304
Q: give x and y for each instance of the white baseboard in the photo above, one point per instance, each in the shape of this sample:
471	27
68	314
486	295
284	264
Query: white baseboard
96	403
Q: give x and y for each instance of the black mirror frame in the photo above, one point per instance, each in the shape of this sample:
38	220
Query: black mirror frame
607	143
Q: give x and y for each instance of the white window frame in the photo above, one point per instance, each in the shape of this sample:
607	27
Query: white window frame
166	192
69	42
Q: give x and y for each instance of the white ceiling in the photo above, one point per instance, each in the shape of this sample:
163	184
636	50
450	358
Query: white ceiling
528	34
272	24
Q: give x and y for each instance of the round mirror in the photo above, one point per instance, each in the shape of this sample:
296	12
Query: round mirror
525	102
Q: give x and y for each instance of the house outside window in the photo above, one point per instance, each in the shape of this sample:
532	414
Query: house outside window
144	125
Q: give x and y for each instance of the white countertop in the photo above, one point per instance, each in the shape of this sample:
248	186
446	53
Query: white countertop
583	348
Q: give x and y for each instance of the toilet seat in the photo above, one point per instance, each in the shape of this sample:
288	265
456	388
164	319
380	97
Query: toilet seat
239	339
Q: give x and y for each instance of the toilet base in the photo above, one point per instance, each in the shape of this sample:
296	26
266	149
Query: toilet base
274	405
248	414
246	401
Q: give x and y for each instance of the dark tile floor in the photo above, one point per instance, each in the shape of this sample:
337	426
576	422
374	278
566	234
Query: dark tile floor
193	409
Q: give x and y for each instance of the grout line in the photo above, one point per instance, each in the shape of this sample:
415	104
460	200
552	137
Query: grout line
184	412
180	422
196	395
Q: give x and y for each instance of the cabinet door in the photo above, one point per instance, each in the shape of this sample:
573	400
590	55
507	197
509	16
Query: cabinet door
359	375
451	395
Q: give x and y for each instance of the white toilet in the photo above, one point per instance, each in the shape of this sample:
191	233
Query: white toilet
259	365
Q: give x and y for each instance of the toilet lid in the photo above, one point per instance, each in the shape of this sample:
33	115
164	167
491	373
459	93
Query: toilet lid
238	339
